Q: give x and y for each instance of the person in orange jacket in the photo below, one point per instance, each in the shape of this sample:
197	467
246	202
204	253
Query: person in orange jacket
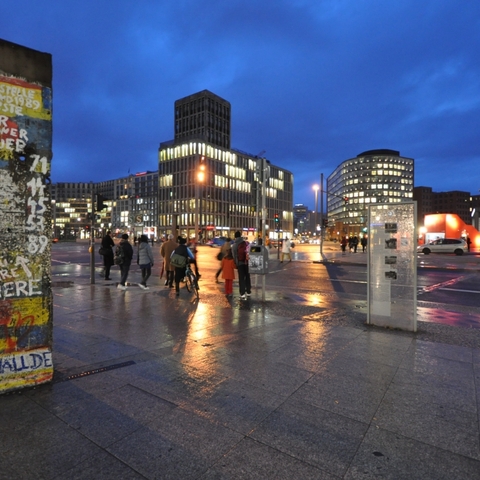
228	272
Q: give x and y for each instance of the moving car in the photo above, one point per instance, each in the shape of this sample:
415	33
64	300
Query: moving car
457	246
217	241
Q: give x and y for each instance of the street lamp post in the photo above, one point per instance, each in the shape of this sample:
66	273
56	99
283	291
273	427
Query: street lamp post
315	188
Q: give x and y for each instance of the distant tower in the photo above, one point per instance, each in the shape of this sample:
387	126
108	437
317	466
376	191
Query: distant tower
203	116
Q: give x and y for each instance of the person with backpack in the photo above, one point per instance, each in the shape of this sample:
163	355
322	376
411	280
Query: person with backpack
240	255
181	251
144	260
123	258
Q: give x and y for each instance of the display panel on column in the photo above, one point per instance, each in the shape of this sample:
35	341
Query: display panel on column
392	266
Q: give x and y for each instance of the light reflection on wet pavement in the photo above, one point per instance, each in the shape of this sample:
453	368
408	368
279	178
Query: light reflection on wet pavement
336	306
148	385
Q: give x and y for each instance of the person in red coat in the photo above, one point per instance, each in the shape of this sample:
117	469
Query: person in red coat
228	272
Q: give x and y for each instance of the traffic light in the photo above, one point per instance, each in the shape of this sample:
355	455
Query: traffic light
100	204
277	222
87	228
345	199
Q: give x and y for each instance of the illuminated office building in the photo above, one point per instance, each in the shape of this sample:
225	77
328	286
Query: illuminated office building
131	207
375	176
208	188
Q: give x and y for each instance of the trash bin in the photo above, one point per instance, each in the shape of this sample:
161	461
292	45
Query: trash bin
258	260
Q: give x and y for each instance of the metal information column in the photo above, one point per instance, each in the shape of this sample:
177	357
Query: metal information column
392	266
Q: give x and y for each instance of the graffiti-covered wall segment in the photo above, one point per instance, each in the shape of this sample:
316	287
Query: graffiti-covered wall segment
25	217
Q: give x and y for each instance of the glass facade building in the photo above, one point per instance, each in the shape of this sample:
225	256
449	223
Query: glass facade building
206	188
225	200
374	176
132	207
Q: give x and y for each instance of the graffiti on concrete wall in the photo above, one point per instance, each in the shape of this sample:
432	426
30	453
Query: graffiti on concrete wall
25	234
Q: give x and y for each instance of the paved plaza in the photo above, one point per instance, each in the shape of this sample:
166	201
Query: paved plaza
148	386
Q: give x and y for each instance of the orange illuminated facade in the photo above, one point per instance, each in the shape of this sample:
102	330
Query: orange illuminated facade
448	225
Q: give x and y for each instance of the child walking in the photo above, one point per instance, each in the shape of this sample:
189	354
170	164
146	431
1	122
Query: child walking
228	272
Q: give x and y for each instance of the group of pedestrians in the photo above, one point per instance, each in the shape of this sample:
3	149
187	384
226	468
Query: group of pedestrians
176	274
233	256
123	256
352	243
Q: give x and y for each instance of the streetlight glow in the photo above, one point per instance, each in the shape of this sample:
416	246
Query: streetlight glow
201	173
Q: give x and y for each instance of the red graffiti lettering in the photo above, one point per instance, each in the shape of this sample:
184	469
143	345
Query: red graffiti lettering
14	327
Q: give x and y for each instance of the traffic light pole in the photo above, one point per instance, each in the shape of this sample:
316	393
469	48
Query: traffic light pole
322	226
264	215
92	241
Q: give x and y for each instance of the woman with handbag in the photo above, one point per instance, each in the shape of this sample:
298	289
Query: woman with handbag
145	260
107	253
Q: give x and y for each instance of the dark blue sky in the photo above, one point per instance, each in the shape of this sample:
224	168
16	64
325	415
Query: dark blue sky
311	82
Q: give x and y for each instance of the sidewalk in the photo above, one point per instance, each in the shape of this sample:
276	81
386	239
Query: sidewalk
151	387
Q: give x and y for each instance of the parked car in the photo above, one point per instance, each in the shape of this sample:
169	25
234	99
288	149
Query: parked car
457	246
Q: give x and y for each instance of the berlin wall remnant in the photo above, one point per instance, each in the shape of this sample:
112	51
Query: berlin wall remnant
25	217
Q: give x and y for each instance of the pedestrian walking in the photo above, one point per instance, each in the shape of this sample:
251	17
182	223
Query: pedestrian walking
363	243
166	252
228	272
144	260
107	254
226	247
124	251
183	251
354	244
343	244
286	250
240	256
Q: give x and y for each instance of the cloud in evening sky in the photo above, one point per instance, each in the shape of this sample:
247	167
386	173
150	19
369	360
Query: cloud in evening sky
311	82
